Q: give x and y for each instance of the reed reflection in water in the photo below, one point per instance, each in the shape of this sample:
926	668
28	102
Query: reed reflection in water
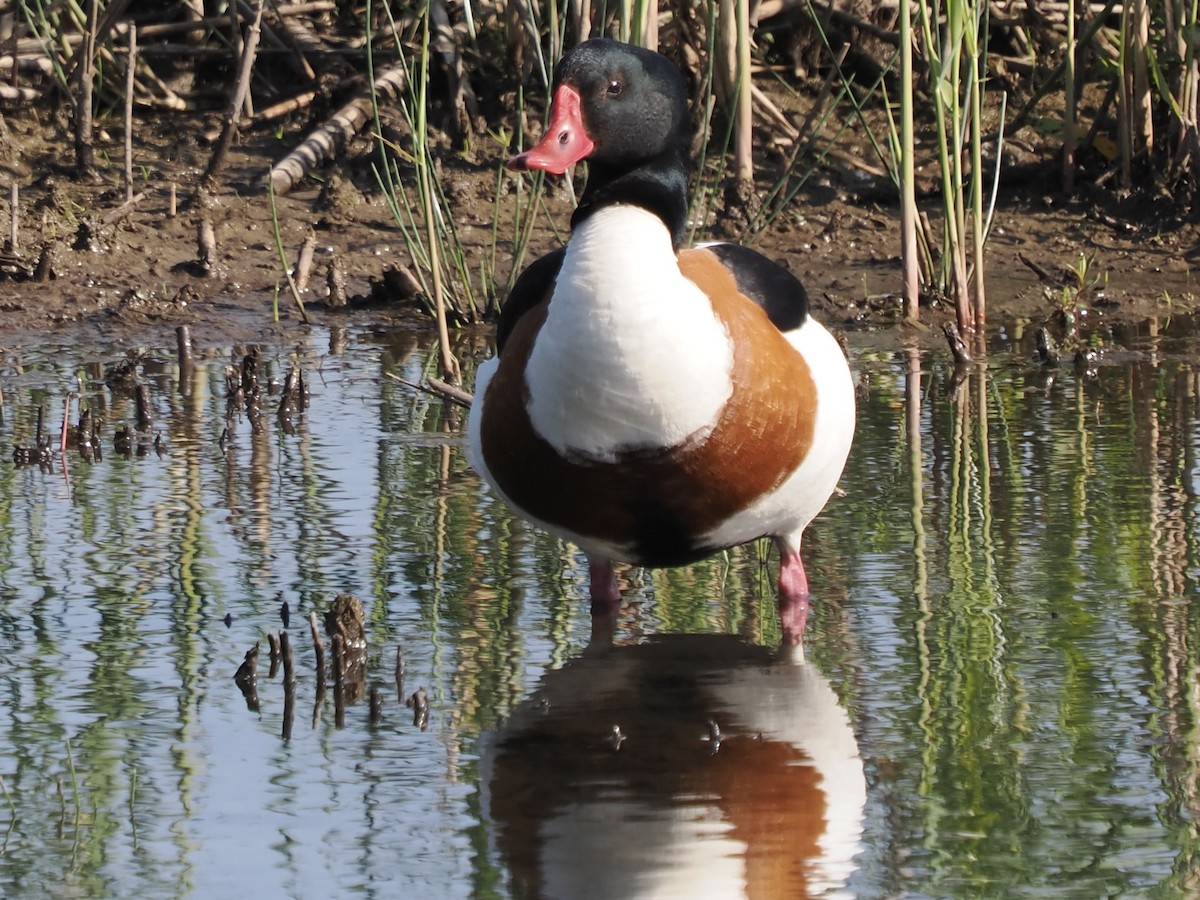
1002	645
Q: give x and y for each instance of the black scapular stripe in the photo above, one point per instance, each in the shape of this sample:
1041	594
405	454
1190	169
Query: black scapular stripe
770	285
532	287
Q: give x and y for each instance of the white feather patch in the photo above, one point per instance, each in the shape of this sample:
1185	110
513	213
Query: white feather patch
630	355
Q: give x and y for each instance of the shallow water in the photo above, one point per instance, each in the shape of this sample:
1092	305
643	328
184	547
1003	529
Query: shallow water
998	697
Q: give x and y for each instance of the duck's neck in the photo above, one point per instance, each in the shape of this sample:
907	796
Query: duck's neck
659	186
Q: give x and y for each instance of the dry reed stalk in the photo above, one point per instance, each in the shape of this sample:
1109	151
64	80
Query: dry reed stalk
1143	98
734	47
580	12
910	255
14	209
130	69
84	151
240	92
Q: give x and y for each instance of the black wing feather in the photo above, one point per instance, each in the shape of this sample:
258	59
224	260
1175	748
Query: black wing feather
531	288
770	285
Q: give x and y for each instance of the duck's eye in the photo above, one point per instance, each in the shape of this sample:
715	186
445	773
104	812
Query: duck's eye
614	88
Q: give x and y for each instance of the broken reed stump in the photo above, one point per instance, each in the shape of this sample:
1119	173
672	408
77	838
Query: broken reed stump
183	346
958	346
345	621
318	646
273	645
85	73
206	240
288	657
339	691
400	674
335	281
289	684
319	652
145	420
187	361
419	704
246	678
292	399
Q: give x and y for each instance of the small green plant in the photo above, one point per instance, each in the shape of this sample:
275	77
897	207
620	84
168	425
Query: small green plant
1085	280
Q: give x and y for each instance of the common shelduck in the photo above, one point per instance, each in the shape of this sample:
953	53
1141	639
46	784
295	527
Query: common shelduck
648	403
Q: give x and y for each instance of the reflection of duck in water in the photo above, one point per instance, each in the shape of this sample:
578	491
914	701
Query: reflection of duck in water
735	773
648	403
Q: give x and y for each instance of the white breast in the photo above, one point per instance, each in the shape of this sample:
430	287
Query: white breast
630	355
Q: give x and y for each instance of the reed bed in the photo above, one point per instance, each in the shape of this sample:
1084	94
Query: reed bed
782	89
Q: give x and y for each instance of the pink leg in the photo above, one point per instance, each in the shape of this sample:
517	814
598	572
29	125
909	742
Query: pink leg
606	596
793	596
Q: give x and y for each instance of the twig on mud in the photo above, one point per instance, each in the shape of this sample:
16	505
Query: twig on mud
304	259
1037	269
118	213
437	388
284	107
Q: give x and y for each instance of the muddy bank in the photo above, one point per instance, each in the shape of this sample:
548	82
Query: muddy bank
129	271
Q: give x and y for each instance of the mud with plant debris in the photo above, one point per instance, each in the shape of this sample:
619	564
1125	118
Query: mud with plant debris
85	259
